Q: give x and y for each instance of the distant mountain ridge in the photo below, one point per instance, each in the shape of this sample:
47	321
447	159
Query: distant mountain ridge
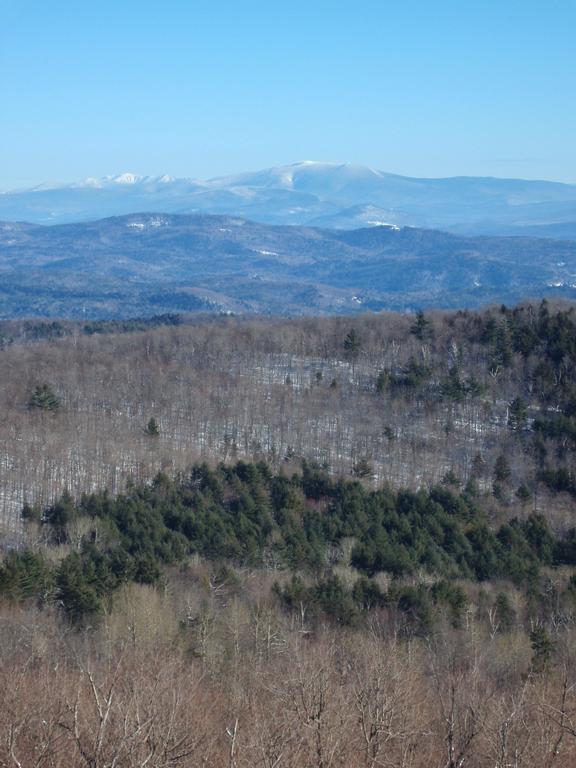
340	196
147	264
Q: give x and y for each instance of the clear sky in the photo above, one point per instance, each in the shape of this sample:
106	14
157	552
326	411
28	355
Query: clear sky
209	87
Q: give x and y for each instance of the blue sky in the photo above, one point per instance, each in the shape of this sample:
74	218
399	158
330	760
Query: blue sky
202	88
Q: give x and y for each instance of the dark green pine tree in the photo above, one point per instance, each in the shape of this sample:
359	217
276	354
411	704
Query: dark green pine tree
501	476
523	494
542	648
352	343
517	414
383	382
502	348
74	591
422	327
152	428
504	612
478	465
362	468
502	469
44	398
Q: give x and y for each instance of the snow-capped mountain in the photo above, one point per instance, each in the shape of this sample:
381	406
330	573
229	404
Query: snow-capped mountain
311	193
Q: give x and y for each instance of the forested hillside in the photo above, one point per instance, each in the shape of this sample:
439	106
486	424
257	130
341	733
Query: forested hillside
150	263
410	400
314	542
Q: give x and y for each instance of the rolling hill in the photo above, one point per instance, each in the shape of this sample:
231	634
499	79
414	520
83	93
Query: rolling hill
146	264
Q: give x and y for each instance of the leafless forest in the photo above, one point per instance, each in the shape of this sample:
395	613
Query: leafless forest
253	389
198	675
207	666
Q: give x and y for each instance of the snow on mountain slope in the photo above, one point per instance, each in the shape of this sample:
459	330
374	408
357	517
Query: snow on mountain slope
150	263
326	194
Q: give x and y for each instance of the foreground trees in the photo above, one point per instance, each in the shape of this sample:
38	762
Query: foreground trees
214	619
266	611
132	694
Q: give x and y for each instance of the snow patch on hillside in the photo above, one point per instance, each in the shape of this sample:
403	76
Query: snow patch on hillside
153	222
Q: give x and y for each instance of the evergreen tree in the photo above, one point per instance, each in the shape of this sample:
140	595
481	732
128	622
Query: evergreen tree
44	398
335	600
505	613
31	513
422	327
502	348
152	428
523	494
367	594
352	344
74	591
502	469
517	414
542	647
362	468
382	382
60	514
453	387
478	465
451	478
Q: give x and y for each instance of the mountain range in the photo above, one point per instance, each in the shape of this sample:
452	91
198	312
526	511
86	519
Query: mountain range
339	196
153	263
